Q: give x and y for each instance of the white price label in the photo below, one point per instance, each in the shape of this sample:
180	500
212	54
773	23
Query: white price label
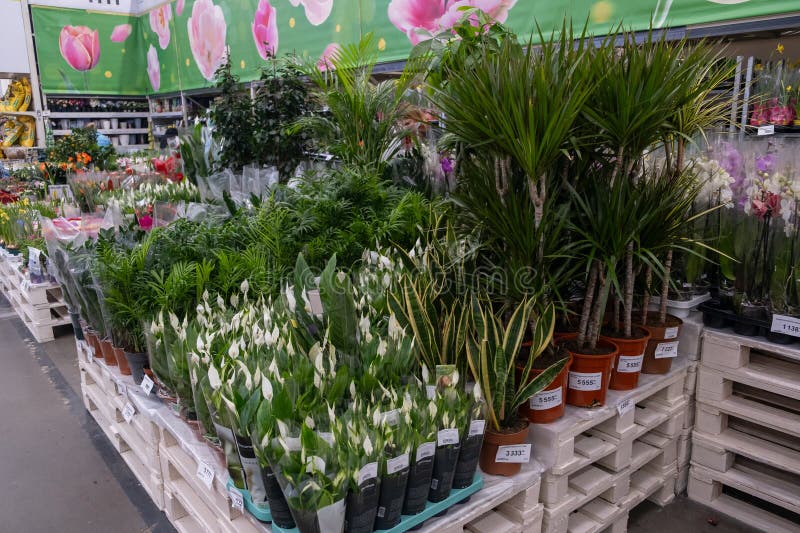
787	325
666	350
127	412
476	427
447	436
206	474
397	464
629	363
425	450
585	381
430	391
625	406
519	453
391	417
546	399
671	333
147	385
367	472
121	388
237	500
766	130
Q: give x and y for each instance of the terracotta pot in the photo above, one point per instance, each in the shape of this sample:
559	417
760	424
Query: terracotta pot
108	352
590	375
628	363
91	340
122	361
663	345
549	404
491	444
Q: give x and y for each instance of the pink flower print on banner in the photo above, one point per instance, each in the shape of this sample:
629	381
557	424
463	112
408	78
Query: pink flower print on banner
422	19
121	32
317	11
265	29
153	68
207	34
80	47
331	52
179	7
159	23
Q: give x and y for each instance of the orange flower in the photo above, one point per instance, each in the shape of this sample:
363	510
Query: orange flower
69	159
42	167
62	166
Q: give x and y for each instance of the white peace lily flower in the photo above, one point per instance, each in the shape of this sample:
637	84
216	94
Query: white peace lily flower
309	422
331	413
213	378
341	276
234	300
153	327
306	302
353	389
233	350
290	301
266	389
382	346
200	309
394	327
446	419
477	393
408	404
174	322
265	441
376	418
315	354
407	418
425	375
317	380
283	429
257	376
244	287
368	449
455	377
220	302
432	410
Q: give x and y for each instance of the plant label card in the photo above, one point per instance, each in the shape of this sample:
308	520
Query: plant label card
446	437
128	411
237	500
122	390
671	333
627	364
391	417
666	350
518	453
625	406
430	391
766	130
787	325
367	472
397	464
477	427
546	399
206	474
585	381
425	450
147	385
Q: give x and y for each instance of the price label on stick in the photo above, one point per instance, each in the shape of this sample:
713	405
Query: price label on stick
237	500
128	411
397	464
147	385
766	130
206	474
447	436
476	427
666	350
787	325
625	406
425	450
519	453
367	472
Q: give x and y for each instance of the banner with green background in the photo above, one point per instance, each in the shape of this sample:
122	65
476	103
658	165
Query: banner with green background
179	45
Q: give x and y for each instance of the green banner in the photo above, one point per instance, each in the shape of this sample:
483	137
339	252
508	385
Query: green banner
180	44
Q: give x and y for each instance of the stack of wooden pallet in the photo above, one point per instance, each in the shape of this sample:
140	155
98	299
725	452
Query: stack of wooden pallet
690	343
746	440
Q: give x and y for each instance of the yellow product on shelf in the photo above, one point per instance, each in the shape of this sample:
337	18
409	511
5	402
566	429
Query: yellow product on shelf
28	137
17	96
26	95
11	132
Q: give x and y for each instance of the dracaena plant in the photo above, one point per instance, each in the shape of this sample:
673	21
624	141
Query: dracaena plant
493	351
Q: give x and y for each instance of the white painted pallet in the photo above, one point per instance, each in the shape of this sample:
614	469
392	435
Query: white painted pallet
728	351
690	338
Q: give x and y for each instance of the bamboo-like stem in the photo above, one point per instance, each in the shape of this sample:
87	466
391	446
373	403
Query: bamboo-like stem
587	305
648	280
617	305
629	291
662	312
597	309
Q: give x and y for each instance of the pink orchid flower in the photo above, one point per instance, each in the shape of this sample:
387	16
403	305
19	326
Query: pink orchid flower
154	68
121	32
421	19
317	11
265	29
770	205
80	47
159	23
207	34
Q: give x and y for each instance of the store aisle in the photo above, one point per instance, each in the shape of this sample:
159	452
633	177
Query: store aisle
58	471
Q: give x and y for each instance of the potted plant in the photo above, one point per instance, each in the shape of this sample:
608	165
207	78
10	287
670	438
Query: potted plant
549	404
451	412
492	352
424	418
471	441
363	446
395	465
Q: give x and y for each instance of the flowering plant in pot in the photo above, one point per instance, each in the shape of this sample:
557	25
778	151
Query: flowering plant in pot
423	413
492	352
395	465
362	445
452	416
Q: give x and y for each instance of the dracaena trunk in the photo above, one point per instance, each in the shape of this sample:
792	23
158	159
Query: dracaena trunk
662	312
591	284
629	291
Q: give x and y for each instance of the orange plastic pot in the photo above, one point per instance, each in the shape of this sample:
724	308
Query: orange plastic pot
108	352
662	348
628	363
492	443
91	340
122	361
589	375
549	404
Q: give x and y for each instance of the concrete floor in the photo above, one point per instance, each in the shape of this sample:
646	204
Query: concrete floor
60	473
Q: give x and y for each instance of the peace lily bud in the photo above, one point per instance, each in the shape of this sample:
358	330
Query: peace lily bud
368	449
234	300
309	422
353	389
244	287
425	375
233	351
290	301
266	389
213	378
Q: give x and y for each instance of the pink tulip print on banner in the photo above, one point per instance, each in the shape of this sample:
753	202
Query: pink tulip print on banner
159	23
153	68
331	52
207	37
179	7
422	19
317	11
80	47
265	29
121	33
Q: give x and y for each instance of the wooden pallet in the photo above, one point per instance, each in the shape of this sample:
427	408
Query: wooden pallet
690	385
728	351
690	339
189	514
596	515
498	522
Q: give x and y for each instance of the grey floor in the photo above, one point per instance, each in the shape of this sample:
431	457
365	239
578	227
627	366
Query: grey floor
61	474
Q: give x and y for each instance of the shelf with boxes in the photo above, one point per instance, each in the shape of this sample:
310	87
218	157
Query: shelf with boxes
124	120
747	430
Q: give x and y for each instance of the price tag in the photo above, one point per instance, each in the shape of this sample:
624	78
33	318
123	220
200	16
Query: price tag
666	350
519	453
367	472
206	474
585	381
127	412
766	130
625	406
391	417
447	436
121	388
786	324
546	399
430	391
397	464
671	333
237	500
476	427
147	385
425	450
629	363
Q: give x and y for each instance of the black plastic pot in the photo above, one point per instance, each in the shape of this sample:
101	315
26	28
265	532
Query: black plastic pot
780	338
137	362
362	506
714	315
75	317
390	504
308	521
252	470
444	468
419	483
467	461
281	515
